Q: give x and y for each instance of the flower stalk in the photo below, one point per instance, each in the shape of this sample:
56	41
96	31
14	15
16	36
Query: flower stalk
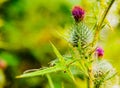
99	25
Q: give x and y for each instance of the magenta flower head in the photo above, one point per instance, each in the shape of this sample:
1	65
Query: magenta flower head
78	13
99	52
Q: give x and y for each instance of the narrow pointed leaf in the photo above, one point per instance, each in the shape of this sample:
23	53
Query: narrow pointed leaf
50	81
42	72
63	62
70	74
60	57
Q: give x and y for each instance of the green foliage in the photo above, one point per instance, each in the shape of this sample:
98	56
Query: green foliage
26	27
10	59
41	72
82	40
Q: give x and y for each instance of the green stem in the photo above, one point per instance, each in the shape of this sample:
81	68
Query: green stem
97	86
89	79
88	83
98	27
105	13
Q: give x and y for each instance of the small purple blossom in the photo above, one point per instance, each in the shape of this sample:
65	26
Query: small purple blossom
99	52
78	13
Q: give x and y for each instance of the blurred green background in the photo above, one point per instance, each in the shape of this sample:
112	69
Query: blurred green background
28	26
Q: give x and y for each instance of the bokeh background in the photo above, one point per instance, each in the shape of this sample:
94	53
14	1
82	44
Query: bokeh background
28	26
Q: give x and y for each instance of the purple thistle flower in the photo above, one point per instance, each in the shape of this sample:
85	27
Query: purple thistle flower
99	52
78	13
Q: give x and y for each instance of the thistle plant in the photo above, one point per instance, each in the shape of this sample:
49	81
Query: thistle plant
102	70
84	53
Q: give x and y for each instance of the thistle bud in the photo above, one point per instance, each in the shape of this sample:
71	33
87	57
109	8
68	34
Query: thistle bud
78	13
99	52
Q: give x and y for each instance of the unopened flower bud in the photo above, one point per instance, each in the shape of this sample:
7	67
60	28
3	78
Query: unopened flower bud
99	52
78	13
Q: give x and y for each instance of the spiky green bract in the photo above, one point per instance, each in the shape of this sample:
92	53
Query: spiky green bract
102	71
81	36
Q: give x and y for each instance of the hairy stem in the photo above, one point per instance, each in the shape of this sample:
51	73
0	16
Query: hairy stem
97	86
89	79
98	26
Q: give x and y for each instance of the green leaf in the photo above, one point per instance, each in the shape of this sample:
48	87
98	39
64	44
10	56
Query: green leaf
41	72
50	81
70	74
62	62
59	66
60	57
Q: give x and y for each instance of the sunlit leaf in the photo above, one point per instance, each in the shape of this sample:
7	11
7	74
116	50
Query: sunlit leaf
60	57
42	72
